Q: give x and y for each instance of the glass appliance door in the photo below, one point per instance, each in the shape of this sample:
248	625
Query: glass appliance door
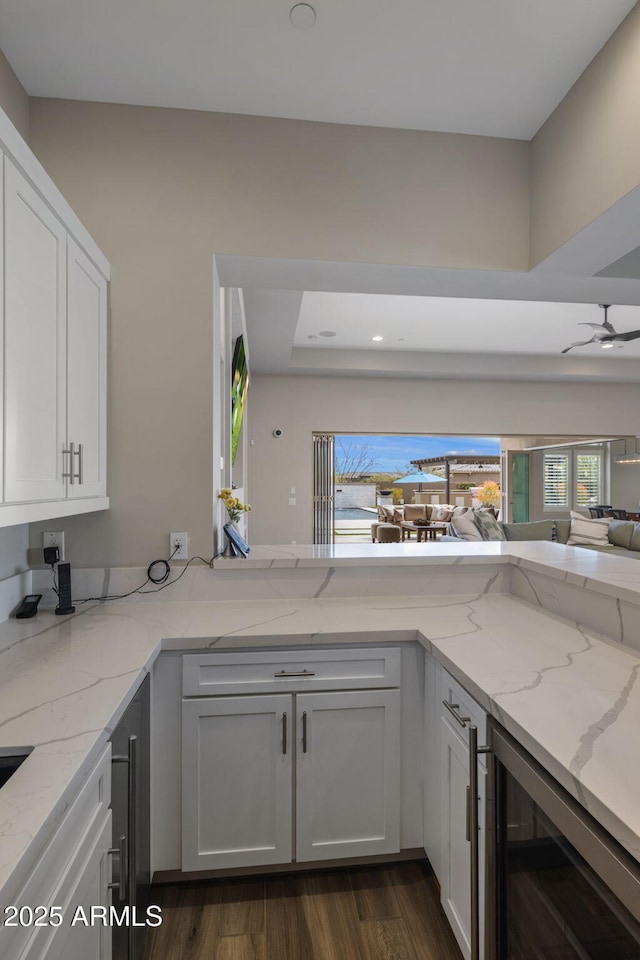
565	889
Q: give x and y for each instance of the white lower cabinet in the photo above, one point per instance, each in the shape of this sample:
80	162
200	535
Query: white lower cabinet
237	775
70	877
283	777
447	797
347	774
455	880
82	936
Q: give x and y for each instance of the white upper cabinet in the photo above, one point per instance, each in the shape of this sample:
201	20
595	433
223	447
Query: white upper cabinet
53	336
35	279
86	376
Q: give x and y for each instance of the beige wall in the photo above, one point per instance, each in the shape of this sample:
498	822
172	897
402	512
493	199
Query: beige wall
587	154
361	405
13	97
163	190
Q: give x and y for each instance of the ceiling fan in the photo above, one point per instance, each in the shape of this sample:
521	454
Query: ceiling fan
605	333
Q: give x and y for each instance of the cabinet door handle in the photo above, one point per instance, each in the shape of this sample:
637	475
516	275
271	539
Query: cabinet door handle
474	751
468	816
70	452
453	710
121	852
79	454
294	673
304	732
284	733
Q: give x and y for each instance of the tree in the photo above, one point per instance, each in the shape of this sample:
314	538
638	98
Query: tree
353	460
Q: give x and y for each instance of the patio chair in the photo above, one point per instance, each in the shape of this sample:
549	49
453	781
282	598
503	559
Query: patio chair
617	514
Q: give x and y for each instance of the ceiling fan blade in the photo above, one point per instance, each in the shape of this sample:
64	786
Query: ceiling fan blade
594	326
623	337
581	343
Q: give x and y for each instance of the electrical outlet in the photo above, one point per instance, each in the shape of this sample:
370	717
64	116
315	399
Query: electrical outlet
55	540
178	542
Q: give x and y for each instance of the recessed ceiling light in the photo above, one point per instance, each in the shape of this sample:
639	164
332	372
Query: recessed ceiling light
302	16
606	346
327	333
377	338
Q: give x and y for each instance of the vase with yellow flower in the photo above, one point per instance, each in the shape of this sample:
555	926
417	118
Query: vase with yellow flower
233	506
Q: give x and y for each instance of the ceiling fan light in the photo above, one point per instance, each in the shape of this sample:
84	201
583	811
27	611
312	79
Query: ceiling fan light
607	346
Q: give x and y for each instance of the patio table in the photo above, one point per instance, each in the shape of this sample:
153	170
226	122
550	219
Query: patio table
424	531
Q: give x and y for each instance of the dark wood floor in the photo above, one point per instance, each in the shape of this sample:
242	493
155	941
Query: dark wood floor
373	913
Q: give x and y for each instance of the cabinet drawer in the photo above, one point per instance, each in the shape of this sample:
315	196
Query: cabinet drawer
215	674
463	708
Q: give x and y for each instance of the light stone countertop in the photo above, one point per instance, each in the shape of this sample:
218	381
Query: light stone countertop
571	697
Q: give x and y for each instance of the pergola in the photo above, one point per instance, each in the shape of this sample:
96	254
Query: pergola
476	464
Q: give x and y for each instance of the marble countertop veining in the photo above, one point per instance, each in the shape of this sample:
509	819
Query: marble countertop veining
605	573
571	697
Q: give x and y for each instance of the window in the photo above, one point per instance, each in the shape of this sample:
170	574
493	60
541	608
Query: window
588	471
572	480
556	481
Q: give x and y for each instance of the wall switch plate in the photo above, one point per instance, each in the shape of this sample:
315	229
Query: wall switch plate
178	543
292	501
50	539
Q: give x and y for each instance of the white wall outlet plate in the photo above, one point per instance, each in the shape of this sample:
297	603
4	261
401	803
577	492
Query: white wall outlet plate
50	539
178	549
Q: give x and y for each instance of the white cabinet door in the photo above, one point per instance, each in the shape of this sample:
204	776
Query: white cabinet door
347	774
236	781
455	863
86	375
35	332
88	938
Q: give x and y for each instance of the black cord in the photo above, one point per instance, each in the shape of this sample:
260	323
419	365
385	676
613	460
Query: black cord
152	579
55	582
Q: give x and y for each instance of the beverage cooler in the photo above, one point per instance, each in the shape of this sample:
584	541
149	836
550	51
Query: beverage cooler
558	886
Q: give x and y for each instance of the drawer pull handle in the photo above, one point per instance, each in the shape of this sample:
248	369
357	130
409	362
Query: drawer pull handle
453	710
304	732
294	673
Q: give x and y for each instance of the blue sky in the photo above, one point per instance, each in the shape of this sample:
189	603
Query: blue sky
394	453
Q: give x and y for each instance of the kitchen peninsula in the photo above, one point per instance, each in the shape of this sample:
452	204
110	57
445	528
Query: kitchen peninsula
545	638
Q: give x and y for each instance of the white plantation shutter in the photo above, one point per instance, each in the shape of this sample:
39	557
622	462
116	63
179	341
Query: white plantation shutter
588	478
555	480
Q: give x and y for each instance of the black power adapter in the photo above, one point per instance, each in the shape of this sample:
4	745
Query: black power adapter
51	555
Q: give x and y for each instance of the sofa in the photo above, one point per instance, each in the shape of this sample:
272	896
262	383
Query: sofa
428	512
623	536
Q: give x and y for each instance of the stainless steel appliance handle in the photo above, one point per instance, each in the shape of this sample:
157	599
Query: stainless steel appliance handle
121	852
294	673
453	710
474	752
304	732
284	733
132	858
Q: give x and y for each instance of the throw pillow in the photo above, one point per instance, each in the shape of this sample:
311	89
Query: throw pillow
441	514
589	531
398	514
488	526
465	527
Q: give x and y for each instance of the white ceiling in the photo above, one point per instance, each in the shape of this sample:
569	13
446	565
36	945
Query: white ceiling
464	325
491	67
